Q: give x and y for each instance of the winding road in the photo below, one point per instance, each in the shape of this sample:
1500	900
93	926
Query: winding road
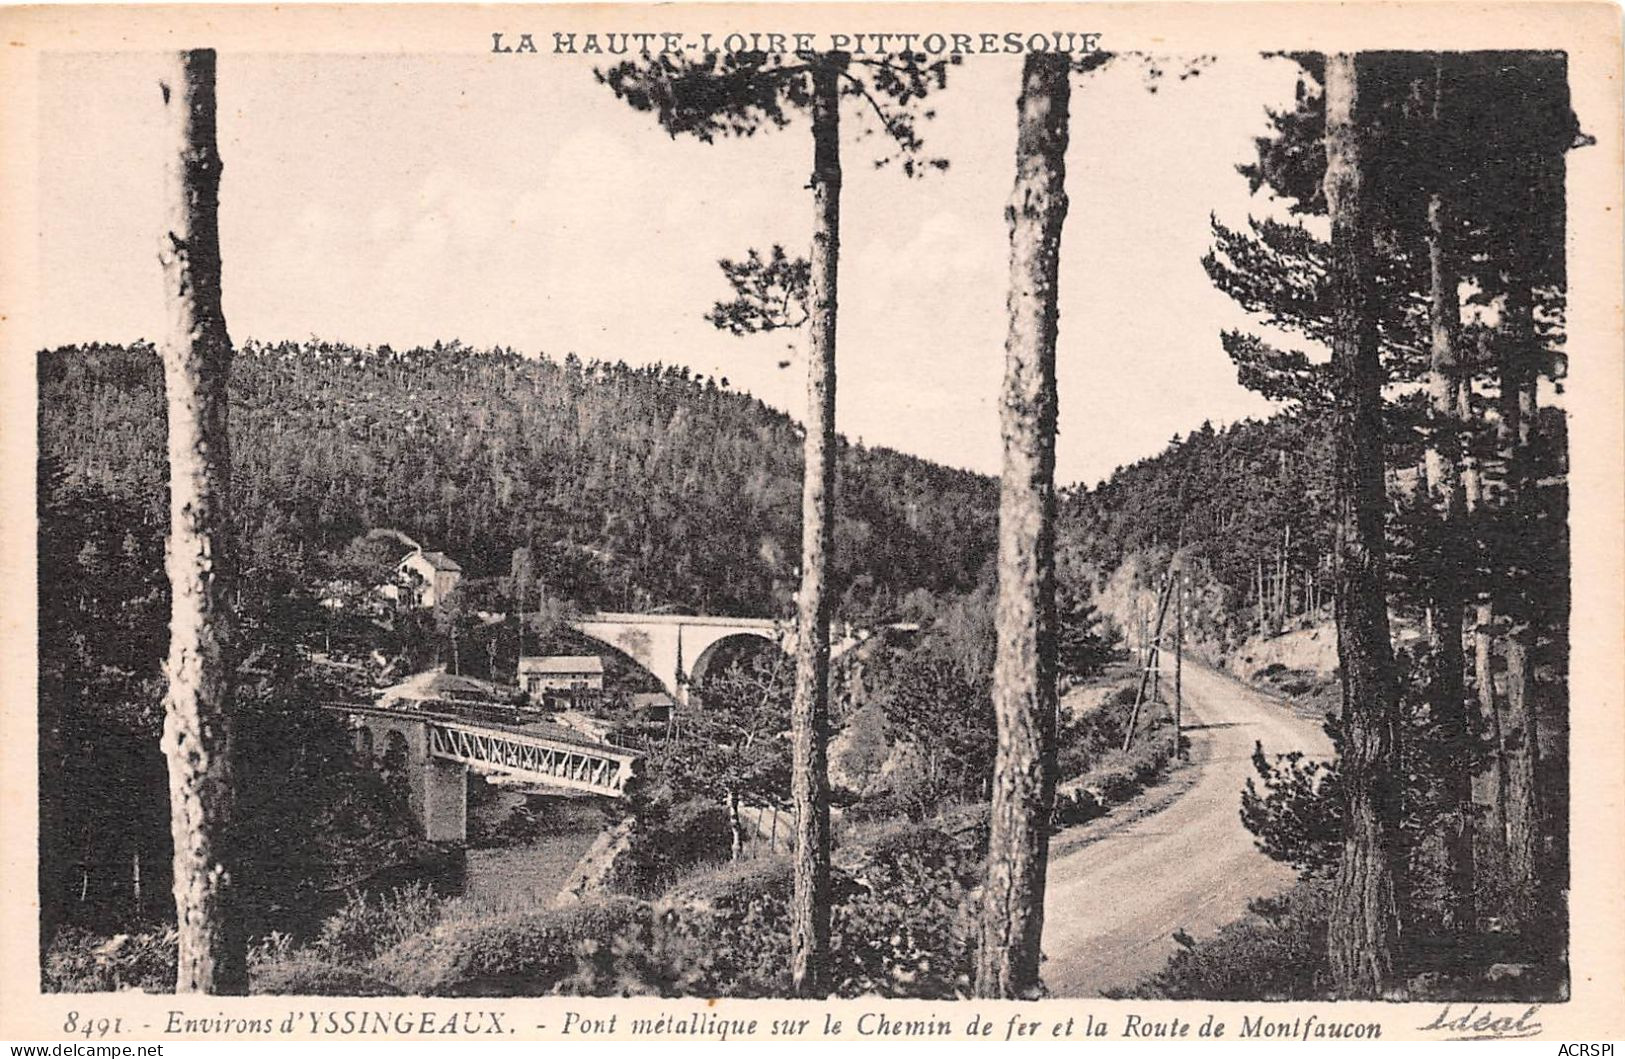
1114	902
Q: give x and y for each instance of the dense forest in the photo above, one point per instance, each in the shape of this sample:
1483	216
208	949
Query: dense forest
636	488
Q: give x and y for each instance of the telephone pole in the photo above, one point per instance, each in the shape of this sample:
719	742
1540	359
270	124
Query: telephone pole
1179	668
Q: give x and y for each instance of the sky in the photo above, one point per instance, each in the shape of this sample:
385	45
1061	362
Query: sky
402	199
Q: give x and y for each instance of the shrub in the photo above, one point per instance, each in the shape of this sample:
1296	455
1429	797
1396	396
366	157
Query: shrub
931	847
720	932
270	949
81	962
731	886
1077	805
667	844
900	927
905	928
1296	816
1276	952
366	926
1117	777
303	973
1089	741
515	954
1116	784
724	933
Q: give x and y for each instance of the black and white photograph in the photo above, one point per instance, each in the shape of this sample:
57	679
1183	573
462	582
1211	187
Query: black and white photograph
917	503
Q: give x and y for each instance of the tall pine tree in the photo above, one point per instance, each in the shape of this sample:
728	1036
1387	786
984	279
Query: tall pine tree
738	94
198	707
1024	668
1362	933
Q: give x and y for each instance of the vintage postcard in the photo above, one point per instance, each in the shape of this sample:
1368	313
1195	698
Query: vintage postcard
919	521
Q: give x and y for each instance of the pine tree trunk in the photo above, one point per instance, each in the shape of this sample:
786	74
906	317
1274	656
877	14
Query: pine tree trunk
809	909
1472	478
1258	576
736	827
1489	786
1444	477
1520	732
1025	661
1489	783
197	707
1362	935
1523	757
1282	586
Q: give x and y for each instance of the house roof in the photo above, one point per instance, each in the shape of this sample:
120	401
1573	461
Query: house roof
436	685
439	560
643	700
562	664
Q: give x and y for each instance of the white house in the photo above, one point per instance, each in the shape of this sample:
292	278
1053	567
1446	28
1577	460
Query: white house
561	673
435	574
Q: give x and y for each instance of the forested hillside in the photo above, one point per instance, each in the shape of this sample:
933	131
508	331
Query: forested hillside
1232	500
633	487
1250	507
646	487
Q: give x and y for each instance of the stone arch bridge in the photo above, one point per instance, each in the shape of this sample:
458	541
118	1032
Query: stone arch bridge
679	648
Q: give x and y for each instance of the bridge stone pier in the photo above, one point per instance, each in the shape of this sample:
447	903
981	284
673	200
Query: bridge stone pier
437	789
437	750
679	648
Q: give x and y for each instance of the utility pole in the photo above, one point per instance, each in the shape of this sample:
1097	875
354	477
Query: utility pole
1154	659
1165	593
1179	668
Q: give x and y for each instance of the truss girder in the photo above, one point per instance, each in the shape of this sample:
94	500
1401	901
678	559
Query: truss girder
560	764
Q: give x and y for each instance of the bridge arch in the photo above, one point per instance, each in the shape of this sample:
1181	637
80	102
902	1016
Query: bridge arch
721	652
669	645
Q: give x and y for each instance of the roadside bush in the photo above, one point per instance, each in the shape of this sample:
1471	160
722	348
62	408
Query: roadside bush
81	962
1276	952
1116	783
1117	777
1077	805
1087	740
